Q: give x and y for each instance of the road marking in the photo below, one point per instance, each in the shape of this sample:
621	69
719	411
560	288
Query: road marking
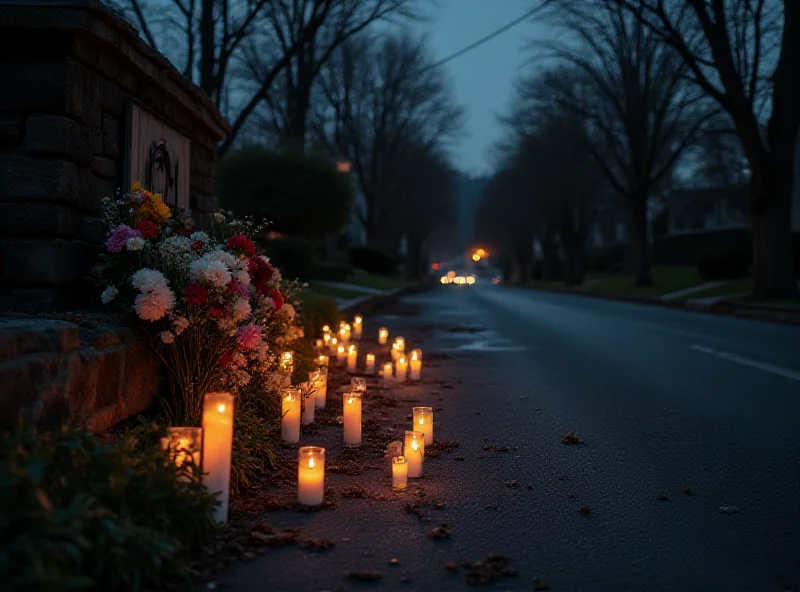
736	358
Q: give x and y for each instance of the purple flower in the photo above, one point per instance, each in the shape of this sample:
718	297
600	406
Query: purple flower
119	237
248	336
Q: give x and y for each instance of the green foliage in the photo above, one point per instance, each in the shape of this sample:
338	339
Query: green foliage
331	271
254	444
318	311
294	257
374	260
723	264
612	258
78	514
299	194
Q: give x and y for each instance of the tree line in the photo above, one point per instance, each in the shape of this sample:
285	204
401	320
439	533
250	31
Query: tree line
640	96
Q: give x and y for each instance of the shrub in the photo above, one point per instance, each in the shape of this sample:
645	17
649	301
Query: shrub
374	260
81	514
613	258
331	271
294	257
723	264
254	444
318	311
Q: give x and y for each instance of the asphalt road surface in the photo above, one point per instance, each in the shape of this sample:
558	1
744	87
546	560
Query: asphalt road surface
664	400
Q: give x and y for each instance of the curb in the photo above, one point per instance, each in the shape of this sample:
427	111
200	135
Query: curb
753	312
371	304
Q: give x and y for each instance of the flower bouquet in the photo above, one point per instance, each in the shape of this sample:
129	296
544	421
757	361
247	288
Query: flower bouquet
214	308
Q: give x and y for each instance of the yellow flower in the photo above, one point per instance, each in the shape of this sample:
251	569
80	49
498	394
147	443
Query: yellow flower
136	187
153	208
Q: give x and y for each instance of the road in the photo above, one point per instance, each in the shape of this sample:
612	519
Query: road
664	400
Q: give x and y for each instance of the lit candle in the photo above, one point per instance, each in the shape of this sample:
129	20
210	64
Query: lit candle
415	364
423	422
217	448
399	473
387	372
383	335
352	418
319	380
341	355
352	358
334	343
309	404
291	402
401	368
326	339
358	384
320	344
414	451
370	363
310	475
326	329
184	446
322	361
358	326
287	367
398	347
344	333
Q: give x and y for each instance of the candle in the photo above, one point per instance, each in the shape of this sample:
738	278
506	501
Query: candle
383	335
326	339
414	451
344	333
287	367
370	363
415	364
352	358
326	329
387	372
358	385
334	343
423	422
352	418
184	446
319	381
398	347
322	361
358	326
401	368
399	473
310	475
217	448
320	344
291	402
309	404
341	355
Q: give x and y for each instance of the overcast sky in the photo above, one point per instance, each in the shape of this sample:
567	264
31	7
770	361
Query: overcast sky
483	78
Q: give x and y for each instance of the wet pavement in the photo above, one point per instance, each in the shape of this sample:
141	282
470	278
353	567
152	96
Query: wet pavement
686	477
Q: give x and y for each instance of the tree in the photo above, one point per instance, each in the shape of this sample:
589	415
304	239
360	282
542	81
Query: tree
630	89
745	54
384	98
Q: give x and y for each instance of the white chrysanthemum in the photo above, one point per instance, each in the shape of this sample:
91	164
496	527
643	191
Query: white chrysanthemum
219	255
200	236
179	325
216	273
109	294
218	216
167	336
146	280
135	243
154	304
175	244
241	310
238	359
242	276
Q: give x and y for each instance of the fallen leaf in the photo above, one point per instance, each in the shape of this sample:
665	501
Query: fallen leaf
394	561
363	576
440	533
451	566
571	438
494	566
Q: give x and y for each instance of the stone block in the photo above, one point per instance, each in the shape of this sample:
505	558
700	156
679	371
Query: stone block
10	132
200	183
105	167
38	219
96	140
58	134
23	177
84	90
20	337
91	229
27	261
111	136
39	83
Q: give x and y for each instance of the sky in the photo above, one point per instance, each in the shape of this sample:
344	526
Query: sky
483	78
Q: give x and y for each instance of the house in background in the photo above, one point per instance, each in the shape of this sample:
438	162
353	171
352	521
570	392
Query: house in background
707	209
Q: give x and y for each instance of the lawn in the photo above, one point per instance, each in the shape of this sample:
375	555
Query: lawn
666	279
379	282
729	288
334	291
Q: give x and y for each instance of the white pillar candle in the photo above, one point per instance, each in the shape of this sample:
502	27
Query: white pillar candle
383	335
370	359
398	347
217	448
309	404
414	451
326	329
400	369
184	446
326	339
415	364
287	366
387	372
319	380
358	326
351	417
423	422
352	358
399	473
341	355
344	333
310	475
334	344
322	361
290	414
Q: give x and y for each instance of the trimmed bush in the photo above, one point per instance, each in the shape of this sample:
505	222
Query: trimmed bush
613	258
318	311
330	271
723	264
294	257
374	260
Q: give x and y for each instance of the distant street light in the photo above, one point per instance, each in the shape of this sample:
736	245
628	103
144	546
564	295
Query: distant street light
343	166
476	257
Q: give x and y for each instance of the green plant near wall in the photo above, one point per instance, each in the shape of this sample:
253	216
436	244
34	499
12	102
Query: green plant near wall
78	514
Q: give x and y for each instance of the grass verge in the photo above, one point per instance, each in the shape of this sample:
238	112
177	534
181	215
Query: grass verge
333	291
379	282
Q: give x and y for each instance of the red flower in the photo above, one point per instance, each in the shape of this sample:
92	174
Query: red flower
276	296
197	245
225	359
184	232
195	294
260	272
216	312
241	243
147	228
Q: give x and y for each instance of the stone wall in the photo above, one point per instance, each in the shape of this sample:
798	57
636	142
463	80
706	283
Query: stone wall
70	68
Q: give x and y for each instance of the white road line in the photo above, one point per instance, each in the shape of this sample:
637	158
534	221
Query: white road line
763	366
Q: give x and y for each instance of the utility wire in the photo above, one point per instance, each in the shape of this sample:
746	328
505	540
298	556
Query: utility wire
488	37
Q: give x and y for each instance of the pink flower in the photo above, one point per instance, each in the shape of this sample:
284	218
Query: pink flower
119	238
238	289
248	336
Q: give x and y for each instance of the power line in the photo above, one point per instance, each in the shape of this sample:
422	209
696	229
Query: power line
488	37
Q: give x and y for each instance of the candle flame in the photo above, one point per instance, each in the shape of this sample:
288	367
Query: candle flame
311	463
325	329
221	408
414	445
341	349
421	421
350	401
414	356
357	320
402	360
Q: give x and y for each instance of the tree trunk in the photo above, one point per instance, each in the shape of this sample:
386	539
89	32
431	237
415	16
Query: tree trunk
773	259
414	258
549	260
574	255
637	209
